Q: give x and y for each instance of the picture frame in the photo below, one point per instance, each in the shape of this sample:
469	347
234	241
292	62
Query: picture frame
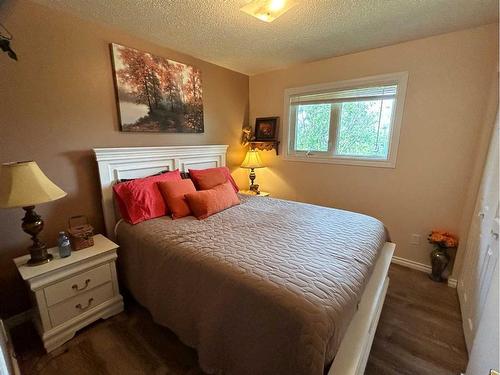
266	129
155	94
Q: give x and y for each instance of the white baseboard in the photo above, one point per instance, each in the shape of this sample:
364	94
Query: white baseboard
18	319
452	283
411	264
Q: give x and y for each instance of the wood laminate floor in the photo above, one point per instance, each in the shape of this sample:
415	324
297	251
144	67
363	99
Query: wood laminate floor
420	329
419	333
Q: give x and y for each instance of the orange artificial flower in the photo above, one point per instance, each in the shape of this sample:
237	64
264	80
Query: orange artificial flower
443	238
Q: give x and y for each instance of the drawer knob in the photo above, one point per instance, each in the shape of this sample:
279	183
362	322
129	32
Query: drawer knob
77	289
80	307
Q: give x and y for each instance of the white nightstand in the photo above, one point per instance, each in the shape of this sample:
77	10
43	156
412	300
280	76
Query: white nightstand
250	192
70	293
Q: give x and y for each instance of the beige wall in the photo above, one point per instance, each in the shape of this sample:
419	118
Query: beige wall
445	113
57	103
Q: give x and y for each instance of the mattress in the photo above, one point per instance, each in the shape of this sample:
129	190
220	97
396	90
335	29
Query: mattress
266	287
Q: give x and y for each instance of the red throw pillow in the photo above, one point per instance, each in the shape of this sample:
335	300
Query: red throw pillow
205	179
140	199
205	203
173	192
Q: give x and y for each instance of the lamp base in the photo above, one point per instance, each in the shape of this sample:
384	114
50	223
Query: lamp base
36	262
253	187
33	225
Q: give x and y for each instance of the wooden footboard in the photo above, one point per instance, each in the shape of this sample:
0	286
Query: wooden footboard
355	348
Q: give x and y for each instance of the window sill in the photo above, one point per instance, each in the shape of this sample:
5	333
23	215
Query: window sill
342	161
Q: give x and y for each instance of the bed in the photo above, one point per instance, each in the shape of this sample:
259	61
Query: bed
266	287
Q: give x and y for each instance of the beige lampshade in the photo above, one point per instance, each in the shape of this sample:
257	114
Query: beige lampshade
24	184
252	160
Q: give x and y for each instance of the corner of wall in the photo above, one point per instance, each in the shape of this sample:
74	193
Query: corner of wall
477	173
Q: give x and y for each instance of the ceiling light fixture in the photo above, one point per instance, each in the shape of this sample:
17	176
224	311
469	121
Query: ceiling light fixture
268	10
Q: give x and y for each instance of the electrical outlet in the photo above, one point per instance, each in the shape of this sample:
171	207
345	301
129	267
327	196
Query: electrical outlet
415	239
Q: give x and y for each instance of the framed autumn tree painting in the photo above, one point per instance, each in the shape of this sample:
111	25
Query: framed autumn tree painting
156	94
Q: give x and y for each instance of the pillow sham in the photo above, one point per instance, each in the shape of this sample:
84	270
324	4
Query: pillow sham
140	199
204	203
173	192
205	179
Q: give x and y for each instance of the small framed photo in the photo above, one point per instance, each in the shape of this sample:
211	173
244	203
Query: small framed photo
266	128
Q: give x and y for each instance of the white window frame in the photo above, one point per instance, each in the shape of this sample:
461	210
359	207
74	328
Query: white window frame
400	79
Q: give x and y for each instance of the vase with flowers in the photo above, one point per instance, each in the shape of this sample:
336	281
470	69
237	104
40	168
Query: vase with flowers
439	256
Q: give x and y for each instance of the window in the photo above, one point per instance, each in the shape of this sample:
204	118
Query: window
350	122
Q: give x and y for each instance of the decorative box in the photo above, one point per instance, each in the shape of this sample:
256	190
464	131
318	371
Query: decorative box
80	233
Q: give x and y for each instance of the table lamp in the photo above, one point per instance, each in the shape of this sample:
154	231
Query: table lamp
23	184
252	161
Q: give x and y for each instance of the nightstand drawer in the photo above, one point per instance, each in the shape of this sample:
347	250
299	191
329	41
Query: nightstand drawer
79	304
77	284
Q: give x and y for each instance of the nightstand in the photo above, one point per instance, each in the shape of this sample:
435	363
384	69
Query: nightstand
70	293
250	192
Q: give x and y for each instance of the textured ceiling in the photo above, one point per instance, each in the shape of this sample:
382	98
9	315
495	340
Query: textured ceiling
217	31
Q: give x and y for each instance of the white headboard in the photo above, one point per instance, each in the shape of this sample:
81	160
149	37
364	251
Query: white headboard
132	162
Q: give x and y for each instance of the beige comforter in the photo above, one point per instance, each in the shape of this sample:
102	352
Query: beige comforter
266	287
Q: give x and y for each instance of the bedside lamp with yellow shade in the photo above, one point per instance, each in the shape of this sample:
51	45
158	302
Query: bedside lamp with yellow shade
23	184
252	161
